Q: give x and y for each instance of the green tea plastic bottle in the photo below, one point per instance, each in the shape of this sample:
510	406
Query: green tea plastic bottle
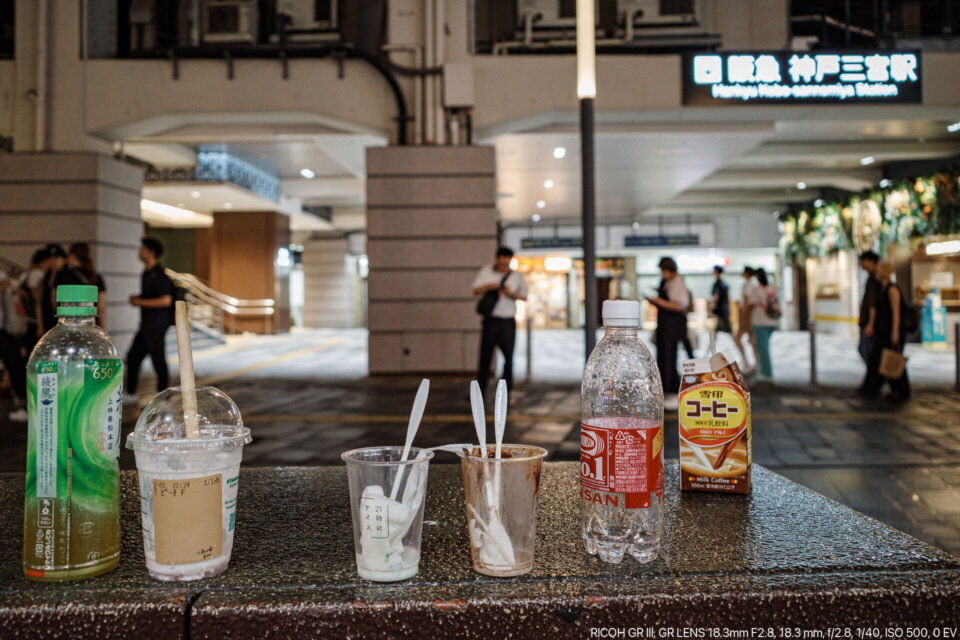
74	402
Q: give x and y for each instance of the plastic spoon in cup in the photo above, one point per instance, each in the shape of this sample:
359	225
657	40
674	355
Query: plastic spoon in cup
495	530
500	414
416	414
479	416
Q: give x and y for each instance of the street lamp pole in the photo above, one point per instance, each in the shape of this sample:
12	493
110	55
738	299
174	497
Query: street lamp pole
586	92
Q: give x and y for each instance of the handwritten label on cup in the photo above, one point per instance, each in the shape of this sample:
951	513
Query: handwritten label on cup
187	519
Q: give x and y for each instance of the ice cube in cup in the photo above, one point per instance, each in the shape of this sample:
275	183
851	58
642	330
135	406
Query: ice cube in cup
188	486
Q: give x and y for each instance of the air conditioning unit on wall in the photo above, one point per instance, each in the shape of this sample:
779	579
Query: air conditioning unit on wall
229	21
660	12
319	15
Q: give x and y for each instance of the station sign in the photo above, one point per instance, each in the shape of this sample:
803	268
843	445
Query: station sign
551	243
682	240
802	77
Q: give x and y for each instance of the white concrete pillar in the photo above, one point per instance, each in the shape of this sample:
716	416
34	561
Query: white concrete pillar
77	197
431	224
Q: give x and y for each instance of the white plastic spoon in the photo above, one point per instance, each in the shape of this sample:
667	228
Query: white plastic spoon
500	414
494	528
416	414
479	416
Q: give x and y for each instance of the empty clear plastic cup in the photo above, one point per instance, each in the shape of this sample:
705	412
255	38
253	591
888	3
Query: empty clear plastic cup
386	501
501	497
188	486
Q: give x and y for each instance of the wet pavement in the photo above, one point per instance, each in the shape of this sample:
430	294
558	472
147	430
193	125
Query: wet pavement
307	398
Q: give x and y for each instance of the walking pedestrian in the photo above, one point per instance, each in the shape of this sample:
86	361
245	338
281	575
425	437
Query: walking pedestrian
672	301
79	269
872	292
31	288
889	333
764	318
10	355
719	305
499	288
744	325
56	260
156	314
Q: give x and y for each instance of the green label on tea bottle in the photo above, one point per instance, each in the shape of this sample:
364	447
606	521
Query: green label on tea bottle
101	380
72	480
46	408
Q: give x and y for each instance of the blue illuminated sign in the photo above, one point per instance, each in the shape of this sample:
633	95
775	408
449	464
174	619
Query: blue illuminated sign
786	77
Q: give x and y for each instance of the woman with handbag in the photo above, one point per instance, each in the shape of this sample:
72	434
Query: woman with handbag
764	317
889	335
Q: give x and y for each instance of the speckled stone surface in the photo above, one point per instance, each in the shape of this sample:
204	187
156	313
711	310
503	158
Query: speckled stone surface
782	556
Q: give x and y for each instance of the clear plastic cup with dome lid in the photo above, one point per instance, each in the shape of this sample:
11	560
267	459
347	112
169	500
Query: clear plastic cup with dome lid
188	483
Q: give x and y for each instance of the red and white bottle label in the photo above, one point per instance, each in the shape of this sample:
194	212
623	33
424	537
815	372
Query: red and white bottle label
621	462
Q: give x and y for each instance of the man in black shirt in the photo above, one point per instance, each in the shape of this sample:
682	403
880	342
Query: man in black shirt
156	311
720	300
872	294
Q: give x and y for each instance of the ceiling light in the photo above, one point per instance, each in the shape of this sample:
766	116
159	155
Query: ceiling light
165	214
942	248
194	194
548	184
535	217
818	202
541	204
953	128
636	226
228	205
801	185
883	184
867	160
559	152
307	173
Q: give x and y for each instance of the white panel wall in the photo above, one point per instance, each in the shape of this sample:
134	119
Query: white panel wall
431	224
77	197
329	289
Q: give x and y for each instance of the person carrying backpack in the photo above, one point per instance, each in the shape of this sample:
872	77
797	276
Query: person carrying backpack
764	316
10	351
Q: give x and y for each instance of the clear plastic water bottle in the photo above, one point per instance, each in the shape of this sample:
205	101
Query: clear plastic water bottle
621	442
74	396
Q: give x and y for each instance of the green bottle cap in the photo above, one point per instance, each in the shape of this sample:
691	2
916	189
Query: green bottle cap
81	294
77	293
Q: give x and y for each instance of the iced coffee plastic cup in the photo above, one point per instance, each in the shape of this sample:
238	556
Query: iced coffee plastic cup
386	501
501	497
188	486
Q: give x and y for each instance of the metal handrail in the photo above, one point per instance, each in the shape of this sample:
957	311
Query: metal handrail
211	308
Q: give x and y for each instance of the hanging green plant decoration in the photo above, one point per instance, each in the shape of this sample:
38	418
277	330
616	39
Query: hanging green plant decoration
876	218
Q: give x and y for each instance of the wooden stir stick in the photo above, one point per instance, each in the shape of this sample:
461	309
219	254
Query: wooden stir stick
188	384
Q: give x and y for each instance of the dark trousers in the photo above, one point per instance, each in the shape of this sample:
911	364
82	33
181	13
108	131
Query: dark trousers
148	341
670	332
14	364
496	332
873	384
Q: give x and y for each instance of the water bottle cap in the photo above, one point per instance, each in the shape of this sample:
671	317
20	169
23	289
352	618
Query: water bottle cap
621	313
77	293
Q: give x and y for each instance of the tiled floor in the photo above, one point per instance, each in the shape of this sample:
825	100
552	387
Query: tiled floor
307	397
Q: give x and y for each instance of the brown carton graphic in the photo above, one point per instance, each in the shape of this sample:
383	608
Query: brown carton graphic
714	426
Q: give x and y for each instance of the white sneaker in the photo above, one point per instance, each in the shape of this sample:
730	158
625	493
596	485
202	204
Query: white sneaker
671	402
18	415
130	398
